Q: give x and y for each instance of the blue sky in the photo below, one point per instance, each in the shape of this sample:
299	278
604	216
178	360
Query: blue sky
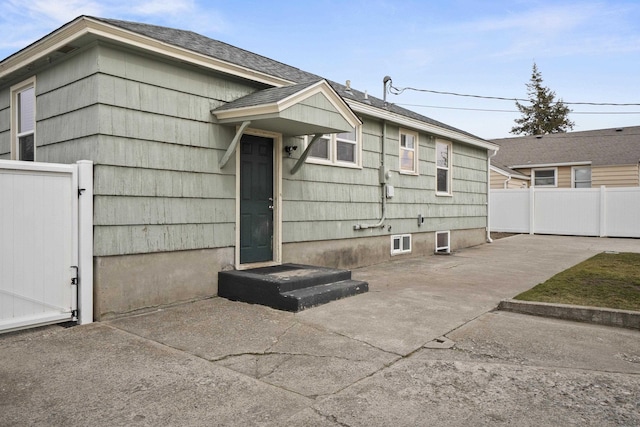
587	51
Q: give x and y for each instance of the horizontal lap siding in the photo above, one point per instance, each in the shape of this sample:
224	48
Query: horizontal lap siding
5	124
325	202
158	186
615	176
148	128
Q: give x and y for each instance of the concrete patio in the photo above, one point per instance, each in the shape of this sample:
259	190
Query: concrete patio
422	347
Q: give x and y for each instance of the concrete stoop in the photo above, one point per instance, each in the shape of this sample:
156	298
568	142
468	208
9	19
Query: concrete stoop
289	287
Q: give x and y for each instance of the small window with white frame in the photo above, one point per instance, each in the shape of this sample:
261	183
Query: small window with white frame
400	244
545	177
342	149
581	176
443	244
443	168
23	120
408	152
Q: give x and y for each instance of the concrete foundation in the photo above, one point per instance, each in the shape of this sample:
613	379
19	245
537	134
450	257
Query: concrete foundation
127	283
362	252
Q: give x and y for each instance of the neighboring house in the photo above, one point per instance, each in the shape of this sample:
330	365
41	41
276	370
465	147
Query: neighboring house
198	148
608	157
505	177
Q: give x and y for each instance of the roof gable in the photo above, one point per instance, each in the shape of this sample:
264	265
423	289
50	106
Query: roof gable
302	109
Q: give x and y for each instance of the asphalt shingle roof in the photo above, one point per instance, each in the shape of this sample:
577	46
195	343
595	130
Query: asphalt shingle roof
615	146
226	52
265	96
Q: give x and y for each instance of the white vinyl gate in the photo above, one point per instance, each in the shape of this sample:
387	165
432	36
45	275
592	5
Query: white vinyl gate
46	271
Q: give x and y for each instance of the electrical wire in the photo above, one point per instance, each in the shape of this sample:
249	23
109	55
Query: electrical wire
511	111
397	91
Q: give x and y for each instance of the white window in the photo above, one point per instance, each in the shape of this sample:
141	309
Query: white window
23	121
400	244
408	152
581	177
545	177
443	168
342	149
442	242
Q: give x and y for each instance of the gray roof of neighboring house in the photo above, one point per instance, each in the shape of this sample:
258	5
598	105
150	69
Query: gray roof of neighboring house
226	52
615	146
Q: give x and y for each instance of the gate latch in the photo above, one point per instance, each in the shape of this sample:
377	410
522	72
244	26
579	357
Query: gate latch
74	280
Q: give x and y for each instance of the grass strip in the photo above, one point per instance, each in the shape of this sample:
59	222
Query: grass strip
610	280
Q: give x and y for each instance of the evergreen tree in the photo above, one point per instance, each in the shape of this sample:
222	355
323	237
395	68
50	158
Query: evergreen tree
544	115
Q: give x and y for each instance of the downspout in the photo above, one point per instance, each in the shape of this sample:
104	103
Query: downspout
506	182
489	240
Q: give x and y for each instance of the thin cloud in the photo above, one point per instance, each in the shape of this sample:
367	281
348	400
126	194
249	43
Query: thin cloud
160	7
22	23
554	30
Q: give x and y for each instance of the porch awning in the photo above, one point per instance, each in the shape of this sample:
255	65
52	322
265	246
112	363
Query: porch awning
303	109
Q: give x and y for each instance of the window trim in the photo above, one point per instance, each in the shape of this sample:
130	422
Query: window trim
333	151
416	157
402	249
555	177
573	175
443	249
15	90
449	167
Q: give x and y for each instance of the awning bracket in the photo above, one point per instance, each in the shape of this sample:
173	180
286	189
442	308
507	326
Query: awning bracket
234	144
305	154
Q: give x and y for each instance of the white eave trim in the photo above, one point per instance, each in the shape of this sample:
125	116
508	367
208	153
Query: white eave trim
85	25
405	121
549	165
277	107
509	175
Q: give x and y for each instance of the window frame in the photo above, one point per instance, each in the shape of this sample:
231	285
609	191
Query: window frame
15	92
443	249
416	145
534	172
401	249
573	176
333	140
448	168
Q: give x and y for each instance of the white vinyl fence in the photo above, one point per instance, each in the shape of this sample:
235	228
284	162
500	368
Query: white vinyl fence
604	212
46	243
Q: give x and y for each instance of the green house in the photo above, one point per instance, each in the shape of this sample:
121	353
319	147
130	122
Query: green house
210	158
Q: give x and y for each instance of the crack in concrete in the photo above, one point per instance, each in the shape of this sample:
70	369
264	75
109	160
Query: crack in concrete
313	326
282	353
490	359
331	418
279	337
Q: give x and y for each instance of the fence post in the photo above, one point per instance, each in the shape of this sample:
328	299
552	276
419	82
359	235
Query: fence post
85	241
603	211
532	209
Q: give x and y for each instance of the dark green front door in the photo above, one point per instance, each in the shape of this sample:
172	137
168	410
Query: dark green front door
256	199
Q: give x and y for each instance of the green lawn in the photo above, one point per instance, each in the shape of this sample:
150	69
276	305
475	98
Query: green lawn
609	280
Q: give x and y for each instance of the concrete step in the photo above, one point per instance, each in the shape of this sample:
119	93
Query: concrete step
322	294
288	287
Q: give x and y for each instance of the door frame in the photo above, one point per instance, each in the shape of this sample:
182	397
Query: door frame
277	200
